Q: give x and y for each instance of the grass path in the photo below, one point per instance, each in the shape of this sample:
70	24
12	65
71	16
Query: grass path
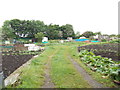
48	82
66	73
63	73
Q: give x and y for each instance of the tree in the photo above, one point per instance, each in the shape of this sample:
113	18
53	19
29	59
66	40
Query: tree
39	36
33	27
52	31
113	35
67	31
8	33
16	28
105	35
97	33
26	28
77	35
87	34
118	35
0	35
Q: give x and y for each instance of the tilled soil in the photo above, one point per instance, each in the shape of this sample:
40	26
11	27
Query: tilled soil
11	62
110	50
111	55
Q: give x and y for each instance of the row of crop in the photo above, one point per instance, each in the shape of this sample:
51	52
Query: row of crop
108	46
110	50
21	53
100	64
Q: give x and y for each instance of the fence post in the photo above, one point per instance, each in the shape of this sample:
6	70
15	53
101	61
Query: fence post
1	72
1	80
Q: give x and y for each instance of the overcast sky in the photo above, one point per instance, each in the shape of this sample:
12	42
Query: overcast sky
84	15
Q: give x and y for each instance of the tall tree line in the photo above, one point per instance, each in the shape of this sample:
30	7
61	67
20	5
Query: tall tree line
16	28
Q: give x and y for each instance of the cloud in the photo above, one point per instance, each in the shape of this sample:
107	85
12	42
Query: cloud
94	15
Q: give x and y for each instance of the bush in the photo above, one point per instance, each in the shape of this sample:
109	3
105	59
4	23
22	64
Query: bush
104	40
115	41
39	36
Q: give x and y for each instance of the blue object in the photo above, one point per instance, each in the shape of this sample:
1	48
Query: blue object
44	42
81	39
95	41
7	46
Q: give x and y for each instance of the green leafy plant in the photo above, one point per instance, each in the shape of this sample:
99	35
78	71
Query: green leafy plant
100	64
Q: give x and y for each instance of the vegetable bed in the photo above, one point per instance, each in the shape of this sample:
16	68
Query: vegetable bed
99	59
11	60
110	50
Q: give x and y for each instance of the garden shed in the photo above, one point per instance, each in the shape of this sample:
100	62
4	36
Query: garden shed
69	38
45	39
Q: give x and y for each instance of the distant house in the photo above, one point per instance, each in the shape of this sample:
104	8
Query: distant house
103	37
95	37
113	38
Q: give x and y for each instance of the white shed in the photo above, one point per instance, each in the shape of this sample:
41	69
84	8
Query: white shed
95	37
45	39
82	37
69	38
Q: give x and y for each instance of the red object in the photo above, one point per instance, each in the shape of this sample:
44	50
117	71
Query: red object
87	41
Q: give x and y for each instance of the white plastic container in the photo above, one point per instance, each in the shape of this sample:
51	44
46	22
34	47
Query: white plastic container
7	42
29	45
33	48
61	41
